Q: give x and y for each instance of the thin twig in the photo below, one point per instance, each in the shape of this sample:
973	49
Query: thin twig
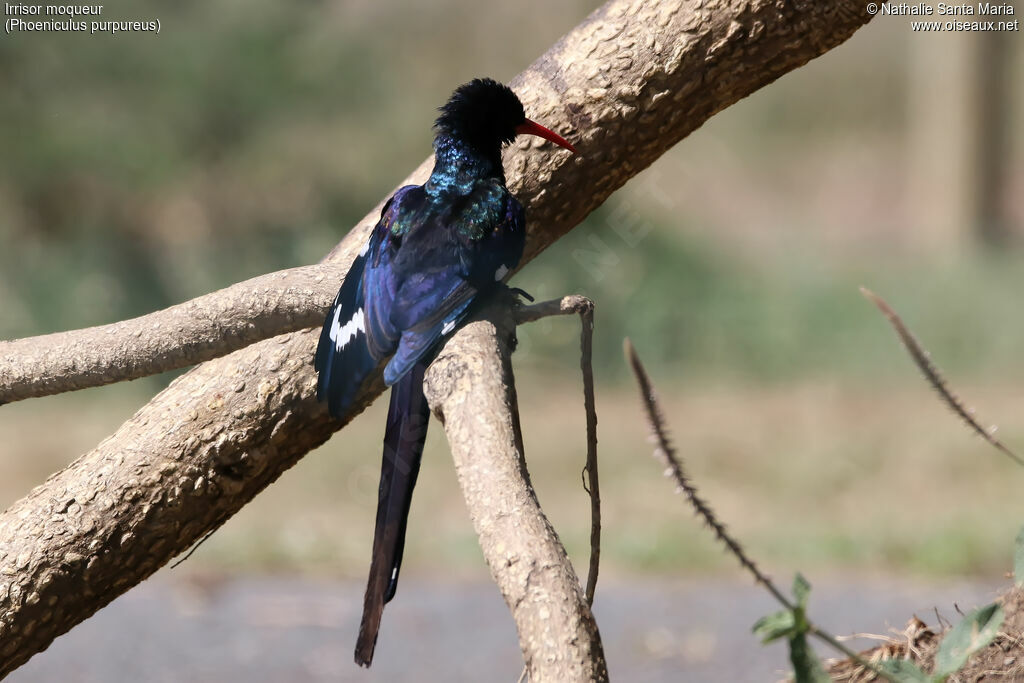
932	374
194	547
667	454
572	304
584	307
587	367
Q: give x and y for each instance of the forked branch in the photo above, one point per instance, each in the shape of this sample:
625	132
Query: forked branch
472	377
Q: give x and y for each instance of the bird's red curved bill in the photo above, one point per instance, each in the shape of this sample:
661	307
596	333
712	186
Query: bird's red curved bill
533	128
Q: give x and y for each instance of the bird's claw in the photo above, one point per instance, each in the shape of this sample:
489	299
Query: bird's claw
522	293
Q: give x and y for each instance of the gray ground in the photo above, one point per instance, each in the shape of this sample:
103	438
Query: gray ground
296	630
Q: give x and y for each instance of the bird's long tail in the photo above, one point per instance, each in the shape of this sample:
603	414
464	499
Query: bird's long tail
406	432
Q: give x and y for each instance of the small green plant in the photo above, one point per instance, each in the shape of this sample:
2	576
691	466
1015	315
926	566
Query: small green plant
971	634
792	625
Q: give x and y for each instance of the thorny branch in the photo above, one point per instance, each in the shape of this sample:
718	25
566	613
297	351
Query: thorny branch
931	373
674	468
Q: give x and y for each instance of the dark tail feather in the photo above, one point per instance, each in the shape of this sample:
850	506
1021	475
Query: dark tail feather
403	446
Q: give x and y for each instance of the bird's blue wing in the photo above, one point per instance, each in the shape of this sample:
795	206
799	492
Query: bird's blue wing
413	284
432	302
352	342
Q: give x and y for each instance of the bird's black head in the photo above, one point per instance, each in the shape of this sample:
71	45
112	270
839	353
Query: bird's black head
483	114
477	120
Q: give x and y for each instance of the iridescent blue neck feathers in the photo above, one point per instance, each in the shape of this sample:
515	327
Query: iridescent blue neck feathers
457	166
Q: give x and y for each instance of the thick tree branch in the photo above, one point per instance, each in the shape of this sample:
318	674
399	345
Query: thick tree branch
626	84
204	328
471	389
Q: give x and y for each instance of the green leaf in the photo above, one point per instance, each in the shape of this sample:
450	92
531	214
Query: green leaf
1018	559
807	667
774	626
974	632
801	589
904	670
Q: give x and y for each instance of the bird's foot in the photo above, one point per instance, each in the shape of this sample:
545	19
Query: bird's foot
521	293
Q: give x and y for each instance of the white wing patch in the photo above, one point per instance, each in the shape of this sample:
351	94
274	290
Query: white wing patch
342	334
448	327
501	272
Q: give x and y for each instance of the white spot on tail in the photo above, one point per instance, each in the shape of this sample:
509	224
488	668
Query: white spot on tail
342	334
448	327
501	272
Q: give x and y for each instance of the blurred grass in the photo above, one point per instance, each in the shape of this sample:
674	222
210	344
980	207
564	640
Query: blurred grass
145	170
820	474
711	312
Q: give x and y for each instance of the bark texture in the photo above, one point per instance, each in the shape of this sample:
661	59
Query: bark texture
204	328
624	86
471	390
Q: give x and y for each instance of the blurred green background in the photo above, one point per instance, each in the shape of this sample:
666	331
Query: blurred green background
141	170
